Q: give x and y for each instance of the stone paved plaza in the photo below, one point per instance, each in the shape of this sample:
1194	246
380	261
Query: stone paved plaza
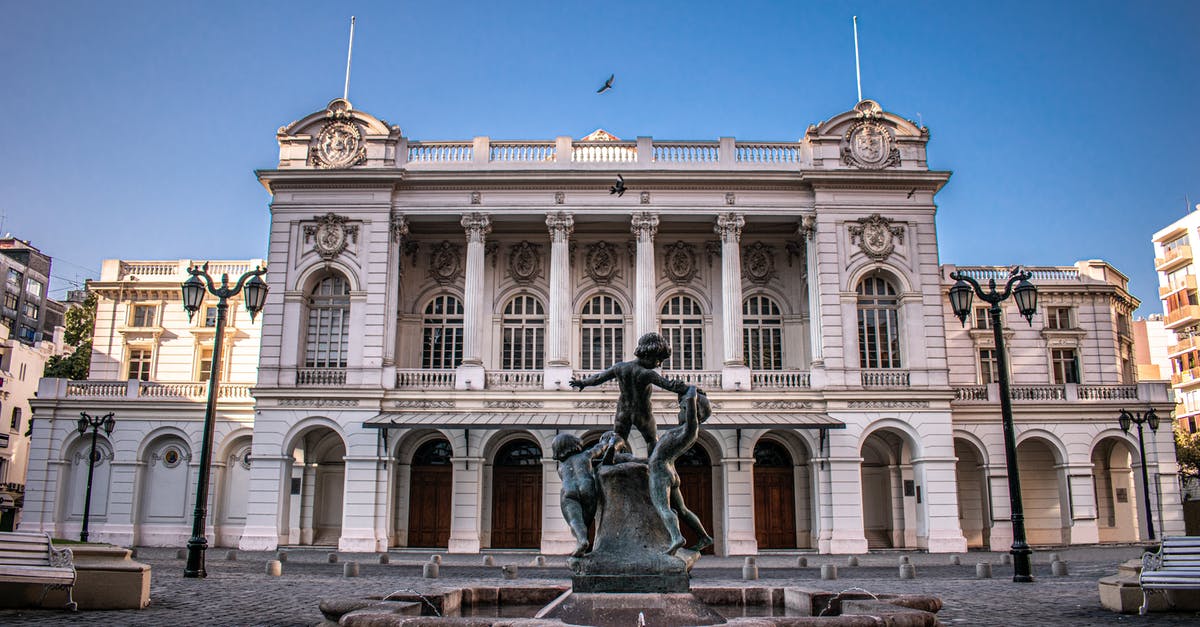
240	593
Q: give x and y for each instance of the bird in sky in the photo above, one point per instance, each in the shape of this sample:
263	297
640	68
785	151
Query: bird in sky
607	84
619	188
910	194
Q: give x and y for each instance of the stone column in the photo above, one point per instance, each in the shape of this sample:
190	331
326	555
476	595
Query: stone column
397	232
359	533
734	373
470	374
846	507
1085	528
308	495
558	343
808	233
466	505
645	227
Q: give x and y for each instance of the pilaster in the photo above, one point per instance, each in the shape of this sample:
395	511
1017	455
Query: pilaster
738	513
466	525
268	474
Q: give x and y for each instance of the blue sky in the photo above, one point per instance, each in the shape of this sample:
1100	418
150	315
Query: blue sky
132	129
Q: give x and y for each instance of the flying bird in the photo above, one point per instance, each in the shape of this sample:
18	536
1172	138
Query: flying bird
607	84
619	188
910	194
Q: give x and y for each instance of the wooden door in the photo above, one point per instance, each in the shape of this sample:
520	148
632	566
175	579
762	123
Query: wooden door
517	497
774	497
431	486
695	484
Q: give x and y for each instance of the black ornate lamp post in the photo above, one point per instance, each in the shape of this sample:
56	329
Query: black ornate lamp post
1139	418
193	295
107	422
1026	297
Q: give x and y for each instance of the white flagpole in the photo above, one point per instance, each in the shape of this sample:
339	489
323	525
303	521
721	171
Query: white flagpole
350	51
857	71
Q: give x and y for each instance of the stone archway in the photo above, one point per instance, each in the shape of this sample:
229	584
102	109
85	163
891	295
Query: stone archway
318	478
888	491
1041	496
1118	499
774	496
974	517
517	496
431	486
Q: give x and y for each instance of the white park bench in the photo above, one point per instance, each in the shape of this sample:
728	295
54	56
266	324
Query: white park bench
1175	566
32	558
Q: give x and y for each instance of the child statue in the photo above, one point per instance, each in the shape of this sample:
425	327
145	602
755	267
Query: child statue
664	480
635	378
580	493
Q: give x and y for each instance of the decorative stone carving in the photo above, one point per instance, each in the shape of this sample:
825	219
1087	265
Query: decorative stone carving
712	250
758	263
318	402
170	456
561	225
645	198
869	144
477	225
423	404
796	250
807	229
525	262
730	198
601	263
445	263
680	265
644	225
729	227
339	143
560	198
241	458
476	198
876	236
398	227
887	404
781	404
595	404
506	404
330	235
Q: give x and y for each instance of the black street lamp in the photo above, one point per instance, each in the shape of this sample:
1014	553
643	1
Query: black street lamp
1026	297
193	296
1140	418
95	423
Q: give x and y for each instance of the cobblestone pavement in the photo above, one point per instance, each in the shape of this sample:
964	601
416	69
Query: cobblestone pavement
240	593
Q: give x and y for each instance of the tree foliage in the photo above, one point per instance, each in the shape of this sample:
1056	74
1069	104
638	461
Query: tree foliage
1187	452
78	323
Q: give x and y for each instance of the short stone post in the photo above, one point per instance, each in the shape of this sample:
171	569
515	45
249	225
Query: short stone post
983	570
802	562
539	560
384	558
904	560
828	571
430	570
852	560
509	570
1058	568
488	560
231	556
281	556
1054	558
436	559
1006	559
332	557
955	560
908	571
274	568
750	569
350	569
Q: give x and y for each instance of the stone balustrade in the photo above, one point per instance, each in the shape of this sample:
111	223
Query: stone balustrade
421	378
321	376
885	378
154	390
1052	393
779	379
514	379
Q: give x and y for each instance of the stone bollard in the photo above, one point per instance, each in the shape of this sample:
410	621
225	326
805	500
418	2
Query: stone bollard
181	554
350	569
509	570
983	570
908	571
488	560
384	558
828	571
332	558
852	560
904	560
430	570
956	560
281	556
133	553
436	559
1058	568
801	562
274	568
231	556
539	560
750	569
1054	558
1006	559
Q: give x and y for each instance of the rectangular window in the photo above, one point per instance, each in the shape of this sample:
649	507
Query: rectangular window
1058	318
205	364
27	333
210	317
10	302
30	310
983	317
143	315
14	280
1065	364
1175	244
139	364
988	366
34	288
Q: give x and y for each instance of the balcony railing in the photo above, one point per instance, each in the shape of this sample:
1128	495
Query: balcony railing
1188	283
514	379
779	379
1184	345
1185	376
192	391
424	379
885	378
1047	393
1173	257
1181	316
704	379
321	376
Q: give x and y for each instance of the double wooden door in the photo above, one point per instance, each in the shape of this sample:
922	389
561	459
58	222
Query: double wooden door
695	484
516	507
774	508
429	508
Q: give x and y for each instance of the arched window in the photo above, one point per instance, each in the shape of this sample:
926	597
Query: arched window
682	324
523	328
442	333
519	453
328	337
771	454
878	324
602	333
433	453
762	334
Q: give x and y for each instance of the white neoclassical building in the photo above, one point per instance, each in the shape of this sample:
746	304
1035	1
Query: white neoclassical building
431	300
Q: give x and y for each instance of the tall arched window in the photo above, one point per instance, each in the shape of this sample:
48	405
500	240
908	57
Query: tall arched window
442	333
328	337
523	328
878	324
602	333
682	323
762	334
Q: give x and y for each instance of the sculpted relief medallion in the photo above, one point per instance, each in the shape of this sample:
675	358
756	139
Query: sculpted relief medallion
339	145
681	262
445	263
524	262
758	262
876	236
870	145
601	262
330	235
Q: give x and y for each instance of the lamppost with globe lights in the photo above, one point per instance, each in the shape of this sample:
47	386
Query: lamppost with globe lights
108	423
1128	419
193	295
1026	296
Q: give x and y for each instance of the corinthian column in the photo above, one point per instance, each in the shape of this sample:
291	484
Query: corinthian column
734	373
645	227
808	233
470	374
558	344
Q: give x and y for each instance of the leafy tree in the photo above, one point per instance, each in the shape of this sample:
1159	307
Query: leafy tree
78	334
1187	452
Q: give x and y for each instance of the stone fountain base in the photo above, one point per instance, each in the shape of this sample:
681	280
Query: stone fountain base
611	609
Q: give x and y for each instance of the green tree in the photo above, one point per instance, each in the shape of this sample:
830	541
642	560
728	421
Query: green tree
78	334
1187	452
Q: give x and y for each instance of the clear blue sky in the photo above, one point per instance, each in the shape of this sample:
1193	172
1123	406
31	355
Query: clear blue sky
132	129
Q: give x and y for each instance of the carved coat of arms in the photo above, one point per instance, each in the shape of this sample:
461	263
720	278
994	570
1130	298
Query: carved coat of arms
870	145
330	235
524	262
339	145
758	262
445	263
876	236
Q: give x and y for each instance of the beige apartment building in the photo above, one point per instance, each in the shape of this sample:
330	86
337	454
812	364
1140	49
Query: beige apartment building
1176	266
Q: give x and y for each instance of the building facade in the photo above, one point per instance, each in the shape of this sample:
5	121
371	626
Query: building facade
21	367
431	301
1176	265
26	309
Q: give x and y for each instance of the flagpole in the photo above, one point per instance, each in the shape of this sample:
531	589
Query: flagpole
857	70
350	51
